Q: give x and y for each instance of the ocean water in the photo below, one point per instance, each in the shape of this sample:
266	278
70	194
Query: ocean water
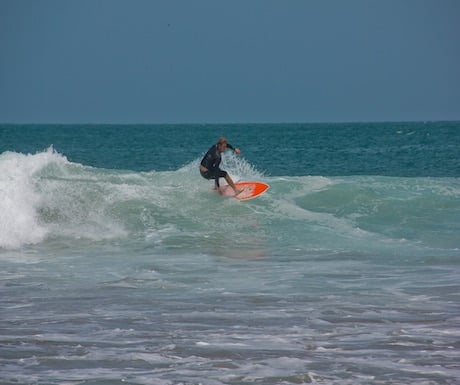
119	265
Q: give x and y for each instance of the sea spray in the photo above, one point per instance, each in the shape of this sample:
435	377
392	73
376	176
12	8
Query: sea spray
19	218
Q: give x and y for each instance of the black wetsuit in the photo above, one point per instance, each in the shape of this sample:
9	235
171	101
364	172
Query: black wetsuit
211	161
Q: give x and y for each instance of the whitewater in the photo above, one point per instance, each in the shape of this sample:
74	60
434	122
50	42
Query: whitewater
143	275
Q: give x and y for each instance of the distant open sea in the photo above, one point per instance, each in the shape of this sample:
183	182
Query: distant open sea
119	265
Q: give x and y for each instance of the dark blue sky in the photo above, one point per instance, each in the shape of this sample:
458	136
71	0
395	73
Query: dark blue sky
209	61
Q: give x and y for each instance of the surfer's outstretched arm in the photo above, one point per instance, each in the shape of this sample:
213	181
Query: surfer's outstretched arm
235	149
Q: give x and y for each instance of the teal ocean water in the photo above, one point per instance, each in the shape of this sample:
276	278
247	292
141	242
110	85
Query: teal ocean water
119	265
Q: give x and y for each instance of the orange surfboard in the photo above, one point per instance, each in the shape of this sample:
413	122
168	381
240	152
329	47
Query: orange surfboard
250	190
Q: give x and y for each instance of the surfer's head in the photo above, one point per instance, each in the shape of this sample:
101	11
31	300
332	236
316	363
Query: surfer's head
222	144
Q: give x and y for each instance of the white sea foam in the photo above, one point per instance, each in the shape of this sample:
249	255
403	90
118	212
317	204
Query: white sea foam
19	219
45	195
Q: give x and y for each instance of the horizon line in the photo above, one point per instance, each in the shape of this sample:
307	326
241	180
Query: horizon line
424	121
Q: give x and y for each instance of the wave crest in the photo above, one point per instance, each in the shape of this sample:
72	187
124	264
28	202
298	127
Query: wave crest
19	219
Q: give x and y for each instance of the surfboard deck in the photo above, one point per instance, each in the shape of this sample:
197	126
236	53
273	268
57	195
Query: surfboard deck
251	190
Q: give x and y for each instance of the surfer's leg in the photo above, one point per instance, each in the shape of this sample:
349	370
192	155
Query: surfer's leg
232	185
209	175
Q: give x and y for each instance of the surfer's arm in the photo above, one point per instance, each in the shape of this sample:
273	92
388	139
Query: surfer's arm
235	149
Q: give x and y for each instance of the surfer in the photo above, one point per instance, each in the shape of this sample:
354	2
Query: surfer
209	167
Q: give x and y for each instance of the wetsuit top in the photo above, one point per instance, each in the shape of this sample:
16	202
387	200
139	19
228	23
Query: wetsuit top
213	158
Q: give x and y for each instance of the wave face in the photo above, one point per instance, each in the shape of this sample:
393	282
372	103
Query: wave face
48	197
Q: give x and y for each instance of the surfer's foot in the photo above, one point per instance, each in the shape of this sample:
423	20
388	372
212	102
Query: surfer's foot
237	191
